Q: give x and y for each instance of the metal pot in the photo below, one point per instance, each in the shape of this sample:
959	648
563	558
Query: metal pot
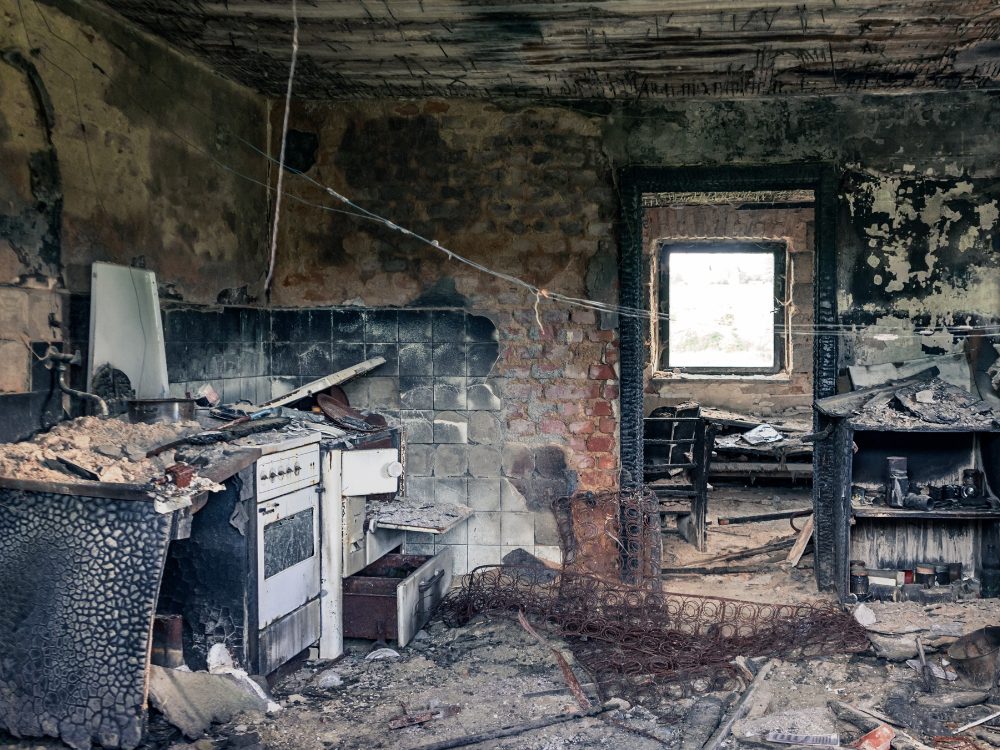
975	656
153	410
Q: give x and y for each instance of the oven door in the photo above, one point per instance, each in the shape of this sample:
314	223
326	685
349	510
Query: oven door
288	566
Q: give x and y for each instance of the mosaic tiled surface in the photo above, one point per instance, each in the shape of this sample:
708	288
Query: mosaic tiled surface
78	581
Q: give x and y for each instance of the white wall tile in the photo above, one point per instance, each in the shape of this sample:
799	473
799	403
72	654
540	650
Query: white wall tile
483	554
517	529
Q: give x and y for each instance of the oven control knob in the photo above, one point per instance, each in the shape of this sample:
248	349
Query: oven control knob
297	469
272	475
264	476
281	472
394	469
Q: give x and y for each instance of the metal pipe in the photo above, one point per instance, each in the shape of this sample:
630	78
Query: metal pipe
62	362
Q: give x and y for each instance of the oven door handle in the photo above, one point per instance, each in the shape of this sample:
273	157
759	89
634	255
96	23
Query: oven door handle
425	584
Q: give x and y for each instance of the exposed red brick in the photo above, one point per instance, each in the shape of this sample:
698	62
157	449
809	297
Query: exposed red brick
571	409
581	428
584	317
553	427
567	392
607	462
610	392
607	425
595	335
601	409
600	443
598	479
601	372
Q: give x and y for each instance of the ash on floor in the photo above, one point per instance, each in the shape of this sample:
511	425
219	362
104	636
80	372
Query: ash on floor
491	674
779	582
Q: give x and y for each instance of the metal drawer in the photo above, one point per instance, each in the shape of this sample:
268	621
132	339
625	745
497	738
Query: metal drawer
394	597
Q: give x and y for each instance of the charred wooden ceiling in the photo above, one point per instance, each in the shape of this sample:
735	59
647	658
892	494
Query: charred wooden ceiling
605	49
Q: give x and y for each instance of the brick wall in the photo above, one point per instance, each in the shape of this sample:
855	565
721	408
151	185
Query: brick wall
788	393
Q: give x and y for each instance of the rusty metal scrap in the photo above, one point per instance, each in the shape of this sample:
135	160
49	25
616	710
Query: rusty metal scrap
607	603
633	638
612	534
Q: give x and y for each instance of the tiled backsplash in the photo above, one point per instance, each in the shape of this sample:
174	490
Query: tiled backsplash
438	378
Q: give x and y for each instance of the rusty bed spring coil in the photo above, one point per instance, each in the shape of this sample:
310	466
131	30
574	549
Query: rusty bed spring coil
632	636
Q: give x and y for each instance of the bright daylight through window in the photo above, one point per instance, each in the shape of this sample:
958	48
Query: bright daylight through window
723	308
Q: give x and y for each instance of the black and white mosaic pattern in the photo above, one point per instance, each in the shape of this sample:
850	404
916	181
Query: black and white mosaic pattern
78	581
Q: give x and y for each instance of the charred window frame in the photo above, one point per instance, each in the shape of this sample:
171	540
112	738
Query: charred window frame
776	249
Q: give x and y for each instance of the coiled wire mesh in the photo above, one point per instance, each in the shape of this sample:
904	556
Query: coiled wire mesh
631	636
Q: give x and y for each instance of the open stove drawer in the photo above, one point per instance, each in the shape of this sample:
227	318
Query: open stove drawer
395	596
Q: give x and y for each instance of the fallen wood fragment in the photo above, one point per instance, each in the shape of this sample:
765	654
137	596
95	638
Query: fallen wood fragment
718	571
976	723
799	548
865	719
422	717
740	709
335	378
567	670
761	517
513	730
752	552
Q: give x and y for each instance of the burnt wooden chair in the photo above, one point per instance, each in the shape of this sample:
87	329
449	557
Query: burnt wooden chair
677	449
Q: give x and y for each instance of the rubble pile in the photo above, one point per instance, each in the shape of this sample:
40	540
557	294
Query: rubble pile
113	449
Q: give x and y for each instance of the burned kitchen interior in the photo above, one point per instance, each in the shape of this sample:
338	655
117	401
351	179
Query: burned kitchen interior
432	374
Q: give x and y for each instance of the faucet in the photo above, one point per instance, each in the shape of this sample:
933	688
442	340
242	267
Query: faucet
61	361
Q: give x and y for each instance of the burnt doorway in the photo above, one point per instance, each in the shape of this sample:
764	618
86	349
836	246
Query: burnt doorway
647	347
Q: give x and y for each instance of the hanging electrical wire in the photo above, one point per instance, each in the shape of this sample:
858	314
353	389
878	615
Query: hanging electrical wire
281	156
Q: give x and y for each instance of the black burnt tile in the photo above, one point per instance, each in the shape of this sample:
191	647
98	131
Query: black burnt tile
284	359
211	326
416	393
177	361
253	324
343	356
214	360
230	367
316	359
390	352
253	361
347	326
482	358
448	326
318	325
415	359
289	325
231	325
418	425
449	393
185	325
481	329
449	359
415	326
381	327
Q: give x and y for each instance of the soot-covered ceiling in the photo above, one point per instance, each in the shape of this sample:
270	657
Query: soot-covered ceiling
602	49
